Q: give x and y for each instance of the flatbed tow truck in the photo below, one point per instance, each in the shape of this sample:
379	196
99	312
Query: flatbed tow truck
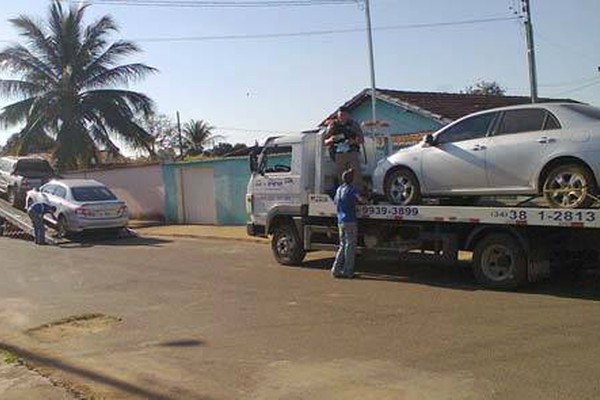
15	221
291	202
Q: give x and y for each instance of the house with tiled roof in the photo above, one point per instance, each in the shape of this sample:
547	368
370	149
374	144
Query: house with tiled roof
407	115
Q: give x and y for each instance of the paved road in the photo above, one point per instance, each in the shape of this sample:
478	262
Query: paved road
209	319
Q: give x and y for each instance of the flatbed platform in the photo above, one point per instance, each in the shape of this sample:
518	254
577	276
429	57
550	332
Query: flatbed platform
20	220
321	205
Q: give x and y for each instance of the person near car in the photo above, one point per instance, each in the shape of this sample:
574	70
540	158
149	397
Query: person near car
36	212
346	198
344	137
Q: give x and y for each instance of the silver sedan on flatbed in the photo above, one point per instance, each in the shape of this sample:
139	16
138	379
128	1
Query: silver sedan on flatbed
81	205
549	149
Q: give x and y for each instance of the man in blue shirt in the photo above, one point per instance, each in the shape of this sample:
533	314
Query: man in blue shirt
36	212
346	199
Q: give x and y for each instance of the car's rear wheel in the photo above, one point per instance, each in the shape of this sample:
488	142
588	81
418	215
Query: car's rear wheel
569	186
62	227
402	187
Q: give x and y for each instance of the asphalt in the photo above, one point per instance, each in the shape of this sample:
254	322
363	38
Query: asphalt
19	380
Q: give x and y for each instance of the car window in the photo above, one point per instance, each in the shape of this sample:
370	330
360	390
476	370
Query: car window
48	189
470	128
60	192
92	193
551	122
525	120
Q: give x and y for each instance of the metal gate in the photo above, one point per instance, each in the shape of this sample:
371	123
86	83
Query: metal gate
198	195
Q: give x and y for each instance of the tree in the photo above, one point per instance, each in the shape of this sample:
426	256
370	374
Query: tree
37	142
486	88
68	85
164	134
197	135
227	149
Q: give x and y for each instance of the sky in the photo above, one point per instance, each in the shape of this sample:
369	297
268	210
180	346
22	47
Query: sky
252	87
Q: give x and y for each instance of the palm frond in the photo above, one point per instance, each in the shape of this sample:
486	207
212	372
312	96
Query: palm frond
123	74
18	88
19	60
41	44
15	113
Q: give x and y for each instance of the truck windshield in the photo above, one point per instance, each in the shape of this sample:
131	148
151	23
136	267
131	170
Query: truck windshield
277	159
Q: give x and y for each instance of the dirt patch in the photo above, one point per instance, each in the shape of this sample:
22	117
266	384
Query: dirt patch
73	326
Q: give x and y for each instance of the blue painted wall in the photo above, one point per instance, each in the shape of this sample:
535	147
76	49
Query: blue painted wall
230	177
401	120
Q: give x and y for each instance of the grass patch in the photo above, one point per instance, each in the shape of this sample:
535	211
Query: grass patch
9	357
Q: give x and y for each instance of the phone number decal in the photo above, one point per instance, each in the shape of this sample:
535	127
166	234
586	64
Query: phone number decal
567	216
389	211
513	215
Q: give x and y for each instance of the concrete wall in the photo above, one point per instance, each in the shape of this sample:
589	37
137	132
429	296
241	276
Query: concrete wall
230	177
141	187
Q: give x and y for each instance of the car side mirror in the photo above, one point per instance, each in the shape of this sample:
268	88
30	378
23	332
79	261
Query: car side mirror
429	140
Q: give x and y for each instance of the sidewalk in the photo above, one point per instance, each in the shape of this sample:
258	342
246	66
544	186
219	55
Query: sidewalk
17	382
196	231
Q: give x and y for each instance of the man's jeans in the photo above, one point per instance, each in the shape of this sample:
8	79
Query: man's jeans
39	229
344	259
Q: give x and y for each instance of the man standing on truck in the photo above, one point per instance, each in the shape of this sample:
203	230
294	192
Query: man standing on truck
346	199
36	212
344	137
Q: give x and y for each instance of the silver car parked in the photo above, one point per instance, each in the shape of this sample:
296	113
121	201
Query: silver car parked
81	205
549	149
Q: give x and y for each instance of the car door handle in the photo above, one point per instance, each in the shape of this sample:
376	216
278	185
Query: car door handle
478	147
545	140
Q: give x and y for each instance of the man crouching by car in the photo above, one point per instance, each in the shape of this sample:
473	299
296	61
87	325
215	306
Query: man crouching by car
36	212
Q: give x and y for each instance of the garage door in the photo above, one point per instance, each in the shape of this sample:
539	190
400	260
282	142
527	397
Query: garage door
198	195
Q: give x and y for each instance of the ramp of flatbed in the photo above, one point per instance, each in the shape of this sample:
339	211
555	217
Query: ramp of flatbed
19	219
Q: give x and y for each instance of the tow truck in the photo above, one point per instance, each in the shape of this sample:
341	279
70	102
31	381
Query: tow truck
289	198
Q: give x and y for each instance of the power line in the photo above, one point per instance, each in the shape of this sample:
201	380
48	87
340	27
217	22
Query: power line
576	89
224	4
320	32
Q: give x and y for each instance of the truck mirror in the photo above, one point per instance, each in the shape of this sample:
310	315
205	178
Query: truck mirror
253	161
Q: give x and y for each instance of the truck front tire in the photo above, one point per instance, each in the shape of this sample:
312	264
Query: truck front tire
500	262
287	246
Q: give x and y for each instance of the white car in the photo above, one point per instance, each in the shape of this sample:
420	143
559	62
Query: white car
81	205
549	149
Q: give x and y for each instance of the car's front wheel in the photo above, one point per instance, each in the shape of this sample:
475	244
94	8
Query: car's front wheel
402	187
569	186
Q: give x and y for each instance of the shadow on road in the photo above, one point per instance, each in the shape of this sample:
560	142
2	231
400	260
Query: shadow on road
82	241
38	360
585	285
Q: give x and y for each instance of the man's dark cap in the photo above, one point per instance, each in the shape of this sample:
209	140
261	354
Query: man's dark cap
344	109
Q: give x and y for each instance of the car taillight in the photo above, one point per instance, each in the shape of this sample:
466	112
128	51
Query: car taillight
83	212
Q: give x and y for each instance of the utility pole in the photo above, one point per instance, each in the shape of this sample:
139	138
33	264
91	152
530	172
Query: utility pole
179	135
371	64
530	50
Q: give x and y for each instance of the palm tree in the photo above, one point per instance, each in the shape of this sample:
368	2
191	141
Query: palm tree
67	85
198	134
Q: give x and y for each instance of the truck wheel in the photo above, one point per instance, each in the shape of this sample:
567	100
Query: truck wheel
286	245
402	188
568	186
499	262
